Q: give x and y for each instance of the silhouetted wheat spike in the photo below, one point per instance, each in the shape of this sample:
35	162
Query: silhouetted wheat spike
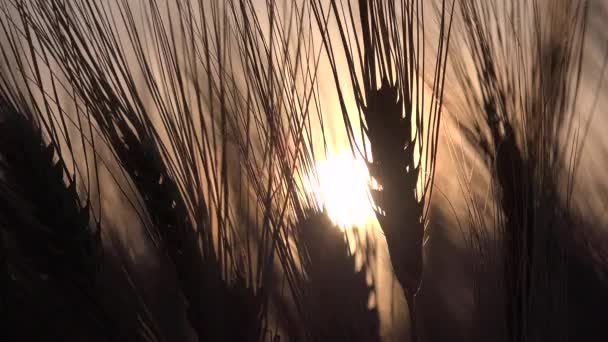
213	305
273	113
51	248
334	295
61	234
392	147
386	65
523	123
57	281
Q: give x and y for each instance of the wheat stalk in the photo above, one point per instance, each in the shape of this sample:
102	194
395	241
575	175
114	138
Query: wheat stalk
523	95
386	65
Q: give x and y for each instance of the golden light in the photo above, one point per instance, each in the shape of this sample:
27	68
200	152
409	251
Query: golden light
342	188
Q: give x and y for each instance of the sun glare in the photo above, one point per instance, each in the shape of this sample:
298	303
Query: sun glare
342	188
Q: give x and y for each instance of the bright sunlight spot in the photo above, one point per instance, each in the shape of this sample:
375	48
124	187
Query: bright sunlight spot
342	188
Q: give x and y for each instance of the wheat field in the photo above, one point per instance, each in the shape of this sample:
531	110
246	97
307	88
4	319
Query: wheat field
303	170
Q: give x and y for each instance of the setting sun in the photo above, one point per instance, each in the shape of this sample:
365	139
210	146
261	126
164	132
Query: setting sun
342	188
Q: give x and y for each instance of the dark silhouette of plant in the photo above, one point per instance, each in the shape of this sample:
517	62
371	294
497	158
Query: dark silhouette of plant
181	181
522	89
385	60
327	297
331	282
50	234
